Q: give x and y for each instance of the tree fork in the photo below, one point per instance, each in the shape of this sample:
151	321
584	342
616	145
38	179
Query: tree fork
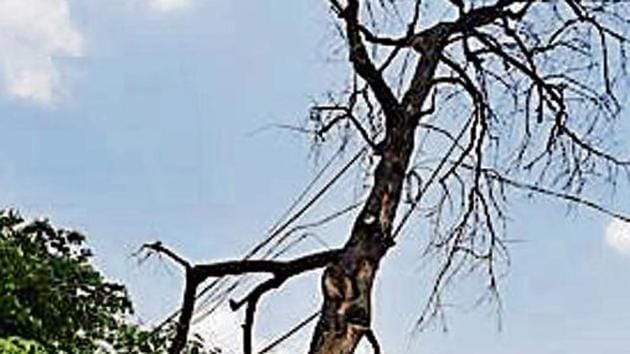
196	274
347	283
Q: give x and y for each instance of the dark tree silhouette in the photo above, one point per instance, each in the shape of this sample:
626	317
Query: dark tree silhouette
461	104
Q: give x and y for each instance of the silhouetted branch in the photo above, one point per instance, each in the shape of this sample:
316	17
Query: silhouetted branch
195	275
554	194
159	248
371	337
518	86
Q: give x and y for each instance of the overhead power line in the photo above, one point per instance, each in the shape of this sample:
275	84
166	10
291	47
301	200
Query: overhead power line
279	226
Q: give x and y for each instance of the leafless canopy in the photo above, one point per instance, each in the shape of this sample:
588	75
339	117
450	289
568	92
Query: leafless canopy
474	101
525	96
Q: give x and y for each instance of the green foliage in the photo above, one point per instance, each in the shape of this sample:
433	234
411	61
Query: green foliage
53	301
49	291
17	345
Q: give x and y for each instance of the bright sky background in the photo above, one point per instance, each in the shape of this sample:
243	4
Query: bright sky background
132	120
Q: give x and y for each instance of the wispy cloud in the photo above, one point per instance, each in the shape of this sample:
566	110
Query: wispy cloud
169	5
32	34
223	330
617	236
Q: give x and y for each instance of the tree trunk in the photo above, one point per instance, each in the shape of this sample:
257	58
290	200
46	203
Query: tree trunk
347	284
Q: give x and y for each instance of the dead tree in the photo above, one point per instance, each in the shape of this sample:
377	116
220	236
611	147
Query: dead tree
461	104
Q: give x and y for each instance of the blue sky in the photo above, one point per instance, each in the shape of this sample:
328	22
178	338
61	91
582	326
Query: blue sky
136	120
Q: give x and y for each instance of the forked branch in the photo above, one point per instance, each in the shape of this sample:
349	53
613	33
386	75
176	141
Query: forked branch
196	274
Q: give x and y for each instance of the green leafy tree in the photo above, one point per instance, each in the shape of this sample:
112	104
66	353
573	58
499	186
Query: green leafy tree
53	300
17	345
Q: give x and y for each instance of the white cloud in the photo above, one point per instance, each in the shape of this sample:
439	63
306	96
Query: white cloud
32	34
169	5
618	236
219	330
223	330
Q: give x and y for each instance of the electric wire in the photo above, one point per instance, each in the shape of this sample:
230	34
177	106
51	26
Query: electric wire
277	228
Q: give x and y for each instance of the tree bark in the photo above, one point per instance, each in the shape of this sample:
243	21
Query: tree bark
347	283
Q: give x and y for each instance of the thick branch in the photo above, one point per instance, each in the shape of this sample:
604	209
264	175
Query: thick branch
252	301
364	66
288	268
188	306
195	275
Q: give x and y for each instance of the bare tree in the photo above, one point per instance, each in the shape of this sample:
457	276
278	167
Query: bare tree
461	104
